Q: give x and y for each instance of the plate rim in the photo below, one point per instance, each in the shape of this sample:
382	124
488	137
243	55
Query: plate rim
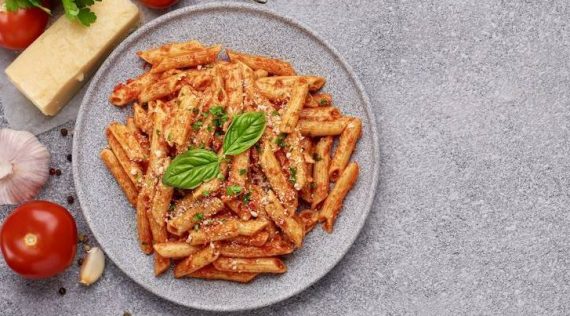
294	23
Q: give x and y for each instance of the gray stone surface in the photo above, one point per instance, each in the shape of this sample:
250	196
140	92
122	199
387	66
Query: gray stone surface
472	212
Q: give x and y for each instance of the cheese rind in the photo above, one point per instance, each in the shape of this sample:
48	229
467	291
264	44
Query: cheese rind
51	70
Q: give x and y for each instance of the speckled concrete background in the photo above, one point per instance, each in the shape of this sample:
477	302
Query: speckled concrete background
472	212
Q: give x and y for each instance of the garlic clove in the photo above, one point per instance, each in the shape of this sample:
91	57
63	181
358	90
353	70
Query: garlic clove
92	267
24	166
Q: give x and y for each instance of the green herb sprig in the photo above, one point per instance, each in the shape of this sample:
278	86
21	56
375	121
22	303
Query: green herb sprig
75	10
196	166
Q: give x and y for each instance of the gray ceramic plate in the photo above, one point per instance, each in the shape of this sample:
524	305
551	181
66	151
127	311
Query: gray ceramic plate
250	29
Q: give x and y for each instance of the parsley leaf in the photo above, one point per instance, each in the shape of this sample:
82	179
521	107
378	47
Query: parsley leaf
246	197
78	10
196	126
280	140
198	217
242	172
292	175
220	117
233	190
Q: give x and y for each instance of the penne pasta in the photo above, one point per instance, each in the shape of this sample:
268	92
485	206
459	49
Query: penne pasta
238	208
271	65
321	170
120	175
345	147
125	93
234	90
298	169
328	113
257	265
142	204
327	128
161	88
307	150
223	229
261	73
258	240
130	168
175	249
293	108
309	218
191	59
186	107
275	247
189	210
286	221
142	119
127	140
156	55
239	169
196	261
322	99
333	203
277	179
211	273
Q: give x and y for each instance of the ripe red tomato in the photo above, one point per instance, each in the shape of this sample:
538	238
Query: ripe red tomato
158	4
39	239
20	28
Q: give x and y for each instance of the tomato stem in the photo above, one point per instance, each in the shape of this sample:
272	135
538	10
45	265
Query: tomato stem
30	239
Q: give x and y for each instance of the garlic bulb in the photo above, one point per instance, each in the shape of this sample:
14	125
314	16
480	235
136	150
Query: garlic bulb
24	166
92	267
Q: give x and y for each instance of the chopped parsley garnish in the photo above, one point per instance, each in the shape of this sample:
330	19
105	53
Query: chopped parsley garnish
197	125
292	175
280	140
275	113
198	217
210	128
233	190
242	172
220	117
324	102
246	197
171	207
206	193
312	185
169	137
157	132
195	111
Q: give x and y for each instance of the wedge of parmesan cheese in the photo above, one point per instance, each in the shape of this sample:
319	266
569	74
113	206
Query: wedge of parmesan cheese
51	70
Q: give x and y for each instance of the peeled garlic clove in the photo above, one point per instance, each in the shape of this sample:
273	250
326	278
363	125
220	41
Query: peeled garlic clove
92	267
24	164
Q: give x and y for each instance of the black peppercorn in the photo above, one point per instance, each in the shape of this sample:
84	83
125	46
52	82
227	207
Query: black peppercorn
63	132
62	291
69	157
70	199
57	172
51	171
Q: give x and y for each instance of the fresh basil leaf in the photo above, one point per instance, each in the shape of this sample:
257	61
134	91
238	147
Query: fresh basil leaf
192	168
244	131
